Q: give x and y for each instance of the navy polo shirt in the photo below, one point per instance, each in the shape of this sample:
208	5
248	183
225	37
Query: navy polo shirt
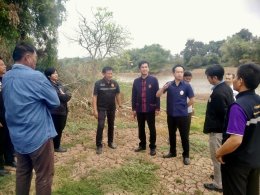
177	98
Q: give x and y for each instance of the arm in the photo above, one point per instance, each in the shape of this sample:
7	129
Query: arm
232	143
94	100
134	99
118	100
236	128
191	101
163	89
48	93
64	94
94	103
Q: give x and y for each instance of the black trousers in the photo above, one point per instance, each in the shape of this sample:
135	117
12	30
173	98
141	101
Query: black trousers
238	180
6	146
102	114
59	124
150	118
182	123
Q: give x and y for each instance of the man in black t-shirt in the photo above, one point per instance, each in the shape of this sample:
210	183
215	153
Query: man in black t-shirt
106	93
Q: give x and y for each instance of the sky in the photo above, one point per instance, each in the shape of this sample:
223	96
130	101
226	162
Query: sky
169	23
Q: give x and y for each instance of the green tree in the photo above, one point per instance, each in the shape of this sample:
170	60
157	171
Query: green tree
154	54
35	21
236	49
244	34
193	48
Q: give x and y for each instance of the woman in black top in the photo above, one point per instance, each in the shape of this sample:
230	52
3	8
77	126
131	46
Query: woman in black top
59	114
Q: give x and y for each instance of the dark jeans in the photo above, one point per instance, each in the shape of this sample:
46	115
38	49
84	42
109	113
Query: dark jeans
150	118
6	146
42	161
59	122
237	180
182	123
102	114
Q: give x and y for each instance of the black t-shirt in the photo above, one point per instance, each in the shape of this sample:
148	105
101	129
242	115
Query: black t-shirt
106	93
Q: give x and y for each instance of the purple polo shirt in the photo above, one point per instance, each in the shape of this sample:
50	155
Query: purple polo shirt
237	120
177	98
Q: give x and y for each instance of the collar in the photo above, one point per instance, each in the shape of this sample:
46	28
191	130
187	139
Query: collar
249	92
21	66
214	86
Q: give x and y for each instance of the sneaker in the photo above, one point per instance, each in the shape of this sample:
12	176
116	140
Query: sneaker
152	152
99	150
186	161
212	187
60	149
139	149
169	155
112	145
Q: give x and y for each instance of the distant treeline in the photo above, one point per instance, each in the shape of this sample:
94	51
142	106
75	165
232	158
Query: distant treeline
237	49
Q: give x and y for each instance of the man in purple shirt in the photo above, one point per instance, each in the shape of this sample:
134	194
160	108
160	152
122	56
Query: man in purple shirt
145	106
177	111
240	154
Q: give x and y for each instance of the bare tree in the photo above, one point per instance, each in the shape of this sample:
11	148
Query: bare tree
101	37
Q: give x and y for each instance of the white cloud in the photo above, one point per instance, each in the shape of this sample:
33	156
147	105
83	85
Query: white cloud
167	22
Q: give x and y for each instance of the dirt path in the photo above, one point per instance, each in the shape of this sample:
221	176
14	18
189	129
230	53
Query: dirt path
175	178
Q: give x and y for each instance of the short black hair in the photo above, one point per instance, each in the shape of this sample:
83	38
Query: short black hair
143	62
49	71
215	70
250	73
21	49
187	74
176	66
106	68
1	58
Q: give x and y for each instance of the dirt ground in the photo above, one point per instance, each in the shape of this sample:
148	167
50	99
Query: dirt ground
174	176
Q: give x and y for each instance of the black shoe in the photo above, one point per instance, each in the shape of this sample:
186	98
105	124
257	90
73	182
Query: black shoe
152	152
11	164
186	161
4	172
99	150
139	149
211	176
112	145
212	187
60	149
169	155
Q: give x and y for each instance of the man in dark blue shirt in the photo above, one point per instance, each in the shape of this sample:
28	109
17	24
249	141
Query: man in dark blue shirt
145	106
177	111
106	92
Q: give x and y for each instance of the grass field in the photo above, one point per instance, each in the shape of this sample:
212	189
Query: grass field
134	175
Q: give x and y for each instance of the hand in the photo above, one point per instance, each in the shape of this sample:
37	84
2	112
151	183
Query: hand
1	125
61	91
95	113
220	159
134	114
166	86
157	112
